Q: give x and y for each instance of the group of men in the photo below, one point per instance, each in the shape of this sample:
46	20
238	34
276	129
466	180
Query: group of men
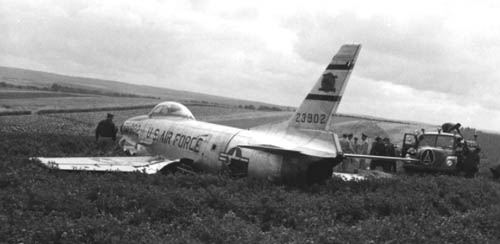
351	144
380	147
383	147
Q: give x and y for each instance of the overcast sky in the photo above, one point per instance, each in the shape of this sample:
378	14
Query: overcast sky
429	61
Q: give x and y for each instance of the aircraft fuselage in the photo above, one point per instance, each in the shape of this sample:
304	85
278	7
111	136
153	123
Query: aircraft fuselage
216	148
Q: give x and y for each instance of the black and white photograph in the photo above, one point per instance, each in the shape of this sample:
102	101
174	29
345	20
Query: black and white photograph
218	121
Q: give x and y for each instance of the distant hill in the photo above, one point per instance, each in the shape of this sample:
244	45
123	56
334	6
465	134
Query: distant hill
41	79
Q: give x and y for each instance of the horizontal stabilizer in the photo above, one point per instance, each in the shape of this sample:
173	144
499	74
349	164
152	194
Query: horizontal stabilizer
299	150
148	165
270	149
348	155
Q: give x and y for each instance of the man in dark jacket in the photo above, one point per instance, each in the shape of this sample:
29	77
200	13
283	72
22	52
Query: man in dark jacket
496	172
106	128
471	162
378	149
390	150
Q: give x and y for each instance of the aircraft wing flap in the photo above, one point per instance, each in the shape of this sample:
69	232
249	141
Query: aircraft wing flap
148	165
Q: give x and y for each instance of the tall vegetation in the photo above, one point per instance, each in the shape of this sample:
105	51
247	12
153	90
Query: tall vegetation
48	206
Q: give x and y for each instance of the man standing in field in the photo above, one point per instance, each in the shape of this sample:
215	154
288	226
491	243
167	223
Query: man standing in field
106	128
471	162
355	147
378	149
346	146
389	165
495	171
363	149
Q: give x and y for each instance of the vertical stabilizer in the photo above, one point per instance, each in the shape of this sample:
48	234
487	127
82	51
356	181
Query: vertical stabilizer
322	102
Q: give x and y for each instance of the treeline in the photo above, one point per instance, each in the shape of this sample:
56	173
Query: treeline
20	112
260	108
61	88
80	110
115	108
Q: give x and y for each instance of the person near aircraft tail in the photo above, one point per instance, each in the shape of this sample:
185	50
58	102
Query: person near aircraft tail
346	146
355	149
106	128
344	143
363	149
471	162
356	145
378	149
390	150
460	151
495	171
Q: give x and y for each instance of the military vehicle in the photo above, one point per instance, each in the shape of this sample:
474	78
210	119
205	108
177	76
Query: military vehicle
438	152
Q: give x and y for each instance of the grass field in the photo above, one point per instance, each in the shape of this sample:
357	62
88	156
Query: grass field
38	205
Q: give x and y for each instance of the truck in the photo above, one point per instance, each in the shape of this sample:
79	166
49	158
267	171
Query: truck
440	152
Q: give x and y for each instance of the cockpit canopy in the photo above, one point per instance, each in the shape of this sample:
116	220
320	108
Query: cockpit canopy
171	109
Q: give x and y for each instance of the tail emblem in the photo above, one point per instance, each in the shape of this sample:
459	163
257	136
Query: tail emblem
328	82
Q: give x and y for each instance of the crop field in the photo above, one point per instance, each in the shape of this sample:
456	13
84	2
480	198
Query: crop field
84	123
32	94
38	205
66	102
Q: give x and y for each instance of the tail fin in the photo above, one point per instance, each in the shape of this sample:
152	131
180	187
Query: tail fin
321	103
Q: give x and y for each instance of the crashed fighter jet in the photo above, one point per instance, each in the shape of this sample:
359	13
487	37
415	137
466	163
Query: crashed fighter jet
305	151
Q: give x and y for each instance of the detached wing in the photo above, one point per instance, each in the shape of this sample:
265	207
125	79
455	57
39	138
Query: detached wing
148	165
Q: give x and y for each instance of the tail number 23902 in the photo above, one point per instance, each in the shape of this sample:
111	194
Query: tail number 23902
310	118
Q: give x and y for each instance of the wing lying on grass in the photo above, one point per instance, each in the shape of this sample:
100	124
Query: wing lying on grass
148	165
